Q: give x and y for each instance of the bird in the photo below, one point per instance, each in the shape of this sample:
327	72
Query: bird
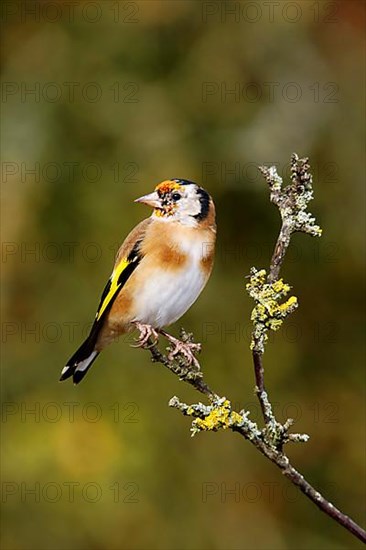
160	270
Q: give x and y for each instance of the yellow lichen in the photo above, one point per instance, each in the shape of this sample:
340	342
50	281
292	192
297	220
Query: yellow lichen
221	416
217	418
274	324
290	303
280	286
268	313
235	418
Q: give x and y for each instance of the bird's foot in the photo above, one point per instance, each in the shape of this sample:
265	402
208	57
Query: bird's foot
187	349
146	332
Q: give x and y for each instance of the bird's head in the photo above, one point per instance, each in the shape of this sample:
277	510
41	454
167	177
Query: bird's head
180	200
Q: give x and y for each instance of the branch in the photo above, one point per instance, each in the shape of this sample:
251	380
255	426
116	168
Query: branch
179	366
220	415
269	313
292	202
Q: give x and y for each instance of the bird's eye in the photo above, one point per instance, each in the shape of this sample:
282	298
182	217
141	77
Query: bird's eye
176	196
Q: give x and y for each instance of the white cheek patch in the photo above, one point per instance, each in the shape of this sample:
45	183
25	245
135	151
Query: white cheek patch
192	206
188	207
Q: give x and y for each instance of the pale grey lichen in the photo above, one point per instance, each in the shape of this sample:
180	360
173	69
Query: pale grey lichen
301	191
293	200
274	179
276	434
298	438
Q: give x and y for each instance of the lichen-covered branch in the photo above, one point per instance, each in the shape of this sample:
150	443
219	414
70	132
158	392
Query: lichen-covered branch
271	308
292	202
269	441
191	374
267	290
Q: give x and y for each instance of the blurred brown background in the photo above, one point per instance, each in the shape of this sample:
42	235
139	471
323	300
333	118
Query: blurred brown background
100	102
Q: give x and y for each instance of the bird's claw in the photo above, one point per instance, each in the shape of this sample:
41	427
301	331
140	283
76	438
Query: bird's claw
146	332
187	349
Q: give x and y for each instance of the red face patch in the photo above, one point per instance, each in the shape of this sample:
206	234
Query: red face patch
167	186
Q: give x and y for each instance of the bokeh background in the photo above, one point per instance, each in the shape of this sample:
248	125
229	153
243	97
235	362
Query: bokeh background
100	102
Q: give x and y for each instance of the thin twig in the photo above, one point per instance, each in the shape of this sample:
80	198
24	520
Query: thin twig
282	461
259	382
194	377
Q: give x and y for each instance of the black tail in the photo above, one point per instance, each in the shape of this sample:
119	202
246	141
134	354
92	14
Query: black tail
81	361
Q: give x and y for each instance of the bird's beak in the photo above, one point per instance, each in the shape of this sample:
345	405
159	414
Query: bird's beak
151	200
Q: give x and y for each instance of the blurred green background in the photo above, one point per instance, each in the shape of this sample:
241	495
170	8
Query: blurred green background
100	102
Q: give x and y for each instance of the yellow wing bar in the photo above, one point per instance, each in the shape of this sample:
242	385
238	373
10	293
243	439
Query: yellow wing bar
113	286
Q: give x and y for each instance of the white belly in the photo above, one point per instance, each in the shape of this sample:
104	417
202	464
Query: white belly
166	295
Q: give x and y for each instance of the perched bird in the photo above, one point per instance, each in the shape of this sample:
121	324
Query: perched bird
159	272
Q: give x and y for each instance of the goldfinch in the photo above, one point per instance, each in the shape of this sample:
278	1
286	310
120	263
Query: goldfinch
159	272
